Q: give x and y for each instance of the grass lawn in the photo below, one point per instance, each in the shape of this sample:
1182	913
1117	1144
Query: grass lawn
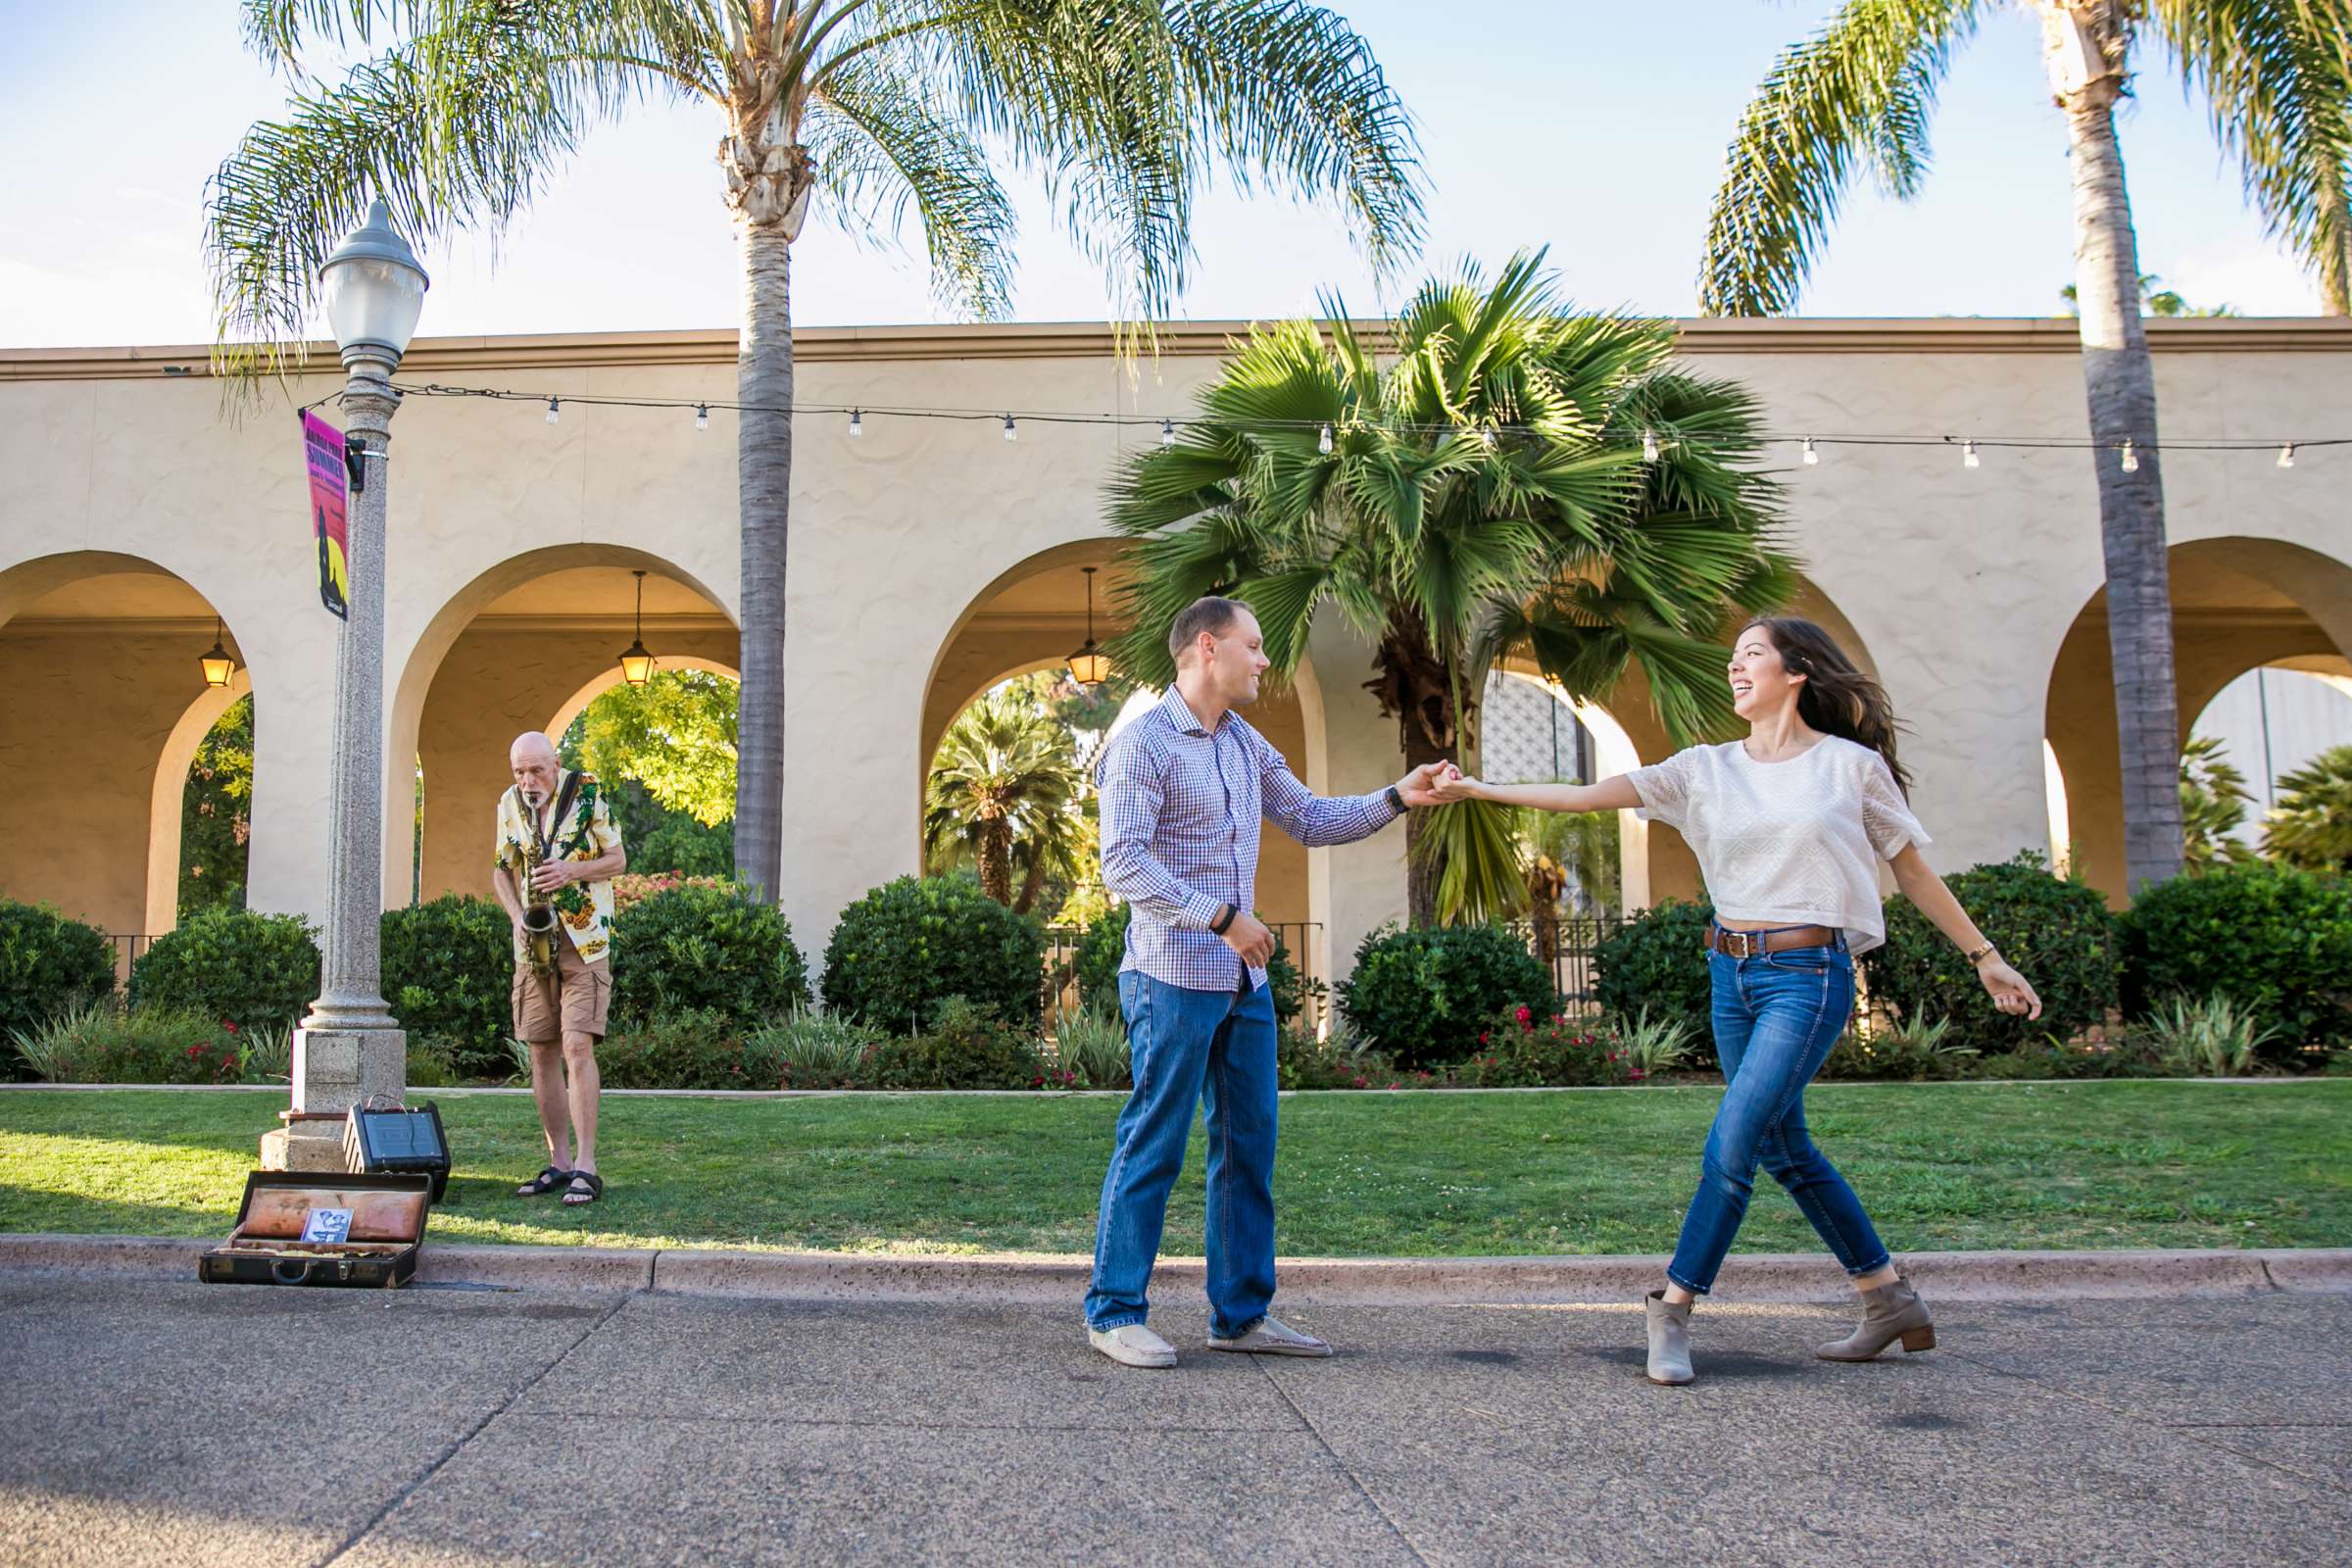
1996	1165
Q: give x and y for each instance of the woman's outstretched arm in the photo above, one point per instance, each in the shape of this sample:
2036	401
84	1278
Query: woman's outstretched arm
1919	883
1610	795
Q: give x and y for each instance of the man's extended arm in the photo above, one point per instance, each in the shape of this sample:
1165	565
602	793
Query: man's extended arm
1317	822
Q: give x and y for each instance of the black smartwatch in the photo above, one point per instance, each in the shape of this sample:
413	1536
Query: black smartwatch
1224	922
1395	800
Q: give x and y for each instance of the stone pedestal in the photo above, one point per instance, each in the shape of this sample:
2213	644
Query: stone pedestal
334	1069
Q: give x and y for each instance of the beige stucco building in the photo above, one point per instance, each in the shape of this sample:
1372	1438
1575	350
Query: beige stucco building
931	559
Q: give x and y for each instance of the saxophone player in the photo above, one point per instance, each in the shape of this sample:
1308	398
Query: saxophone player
557	853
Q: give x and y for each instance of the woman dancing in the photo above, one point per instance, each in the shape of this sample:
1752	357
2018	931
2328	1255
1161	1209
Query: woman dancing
1784	825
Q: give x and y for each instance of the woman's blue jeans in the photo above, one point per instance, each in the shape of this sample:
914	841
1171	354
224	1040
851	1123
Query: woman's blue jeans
1775	1017
1185	1047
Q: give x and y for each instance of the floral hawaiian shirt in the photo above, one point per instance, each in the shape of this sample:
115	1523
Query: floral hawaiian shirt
583	909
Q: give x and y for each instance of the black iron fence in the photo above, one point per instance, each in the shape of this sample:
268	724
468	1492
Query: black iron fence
1577	938
127	948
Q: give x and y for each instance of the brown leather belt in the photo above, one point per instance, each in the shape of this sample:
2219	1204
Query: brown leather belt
1747	944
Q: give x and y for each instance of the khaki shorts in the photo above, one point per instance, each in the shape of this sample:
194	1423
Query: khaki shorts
572	1001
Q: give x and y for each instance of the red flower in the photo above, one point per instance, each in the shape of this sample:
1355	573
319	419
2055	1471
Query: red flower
1482	1039
227	1025
1523	1015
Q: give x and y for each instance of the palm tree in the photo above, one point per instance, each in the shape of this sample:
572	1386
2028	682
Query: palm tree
1004	775
1859	93
2311	825
2155	301
854	108
1516	480
2212	807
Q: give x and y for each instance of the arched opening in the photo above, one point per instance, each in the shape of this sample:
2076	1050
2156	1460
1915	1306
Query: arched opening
666	753
2269	724
1031	618
528	644
106	707
2239	605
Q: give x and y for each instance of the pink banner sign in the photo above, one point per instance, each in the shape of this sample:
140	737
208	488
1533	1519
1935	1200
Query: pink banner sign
330	490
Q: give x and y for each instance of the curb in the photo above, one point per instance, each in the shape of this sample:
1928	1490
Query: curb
1013	1279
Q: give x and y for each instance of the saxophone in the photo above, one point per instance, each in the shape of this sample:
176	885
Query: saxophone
539	932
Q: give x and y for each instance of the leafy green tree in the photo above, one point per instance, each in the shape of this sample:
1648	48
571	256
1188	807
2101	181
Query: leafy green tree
1503	476
2212	807
2311	826
215	819
462	110
1004	776
1858	95
674	735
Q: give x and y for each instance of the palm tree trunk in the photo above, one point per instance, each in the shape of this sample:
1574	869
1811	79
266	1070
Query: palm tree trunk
1413	688
995	859
1031	883
763	478
2088	69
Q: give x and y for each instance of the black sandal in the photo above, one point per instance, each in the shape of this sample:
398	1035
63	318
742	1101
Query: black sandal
576	1197
550	1178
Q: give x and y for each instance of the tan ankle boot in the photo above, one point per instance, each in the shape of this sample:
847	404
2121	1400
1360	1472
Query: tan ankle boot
1890	1312
1668	1340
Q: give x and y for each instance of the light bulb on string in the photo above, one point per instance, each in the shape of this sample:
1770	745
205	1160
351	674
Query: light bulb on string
1167	432
1968	456
1812	457
2287	455
1010	435
1650	446
702	416
1323	441
555	409
856	421
2130	459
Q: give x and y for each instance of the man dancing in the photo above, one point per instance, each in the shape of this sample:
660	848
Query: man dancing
1182	791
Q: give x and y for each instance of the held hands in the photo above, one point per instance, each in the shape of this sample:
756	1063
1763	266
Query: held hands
1251	939
2008	989
1419	787
1451	785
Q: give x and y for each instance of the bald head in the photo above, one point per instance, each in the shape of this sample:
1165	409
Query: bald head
533	759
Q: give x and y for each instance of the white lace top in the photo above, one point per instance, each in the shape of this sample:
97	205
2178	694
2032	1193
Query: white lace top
1796	841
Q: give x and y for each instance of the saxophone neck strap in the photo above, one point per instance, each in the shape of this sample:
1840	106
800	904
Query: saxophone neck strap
543	830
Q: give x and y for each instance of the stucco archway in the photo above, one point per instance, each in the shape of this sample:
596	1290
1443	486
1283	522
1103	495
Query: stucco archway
105	704
2239	603
516	650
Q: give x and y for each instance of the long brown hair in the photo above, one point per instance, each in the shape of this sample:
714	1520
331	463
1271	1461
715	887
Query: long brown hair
1837	698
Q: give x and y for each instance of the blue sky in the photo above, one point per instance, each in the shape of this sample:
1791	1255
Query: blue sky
1595	128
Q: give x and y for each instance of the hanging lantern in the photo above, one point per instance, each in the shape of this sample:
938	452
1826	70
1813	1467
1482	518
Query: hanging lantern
1090	664
636	664
217	665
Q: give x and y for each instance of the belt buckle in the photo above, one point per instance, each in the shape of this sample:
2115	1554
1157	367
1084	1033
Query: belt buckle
1750	943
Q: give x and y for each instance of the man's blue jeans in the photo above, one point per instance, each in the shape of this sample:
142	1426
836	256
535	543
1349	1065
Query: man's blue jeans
1186	1045
1777	1014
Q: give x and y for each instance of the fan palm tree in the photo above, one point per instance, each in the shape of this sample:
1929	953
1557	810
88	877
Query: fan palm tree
1004	775
2212	807
851	108
2311	826
1516	480
2278	80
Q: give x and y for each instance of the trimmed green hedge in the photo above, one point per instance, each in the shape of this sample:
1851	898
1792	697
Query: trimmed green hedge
2056	932
1422	995
2275	940
49	965
714	950
448	972
252	971
1658	961
912	943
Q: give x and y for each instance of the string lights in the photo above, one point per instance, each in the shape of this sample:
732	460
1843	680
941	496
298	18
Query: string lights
1653	441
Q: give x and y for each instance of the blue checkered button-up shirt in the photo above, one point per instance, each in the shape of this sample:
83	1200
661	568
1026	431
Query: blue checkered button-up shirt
1180	814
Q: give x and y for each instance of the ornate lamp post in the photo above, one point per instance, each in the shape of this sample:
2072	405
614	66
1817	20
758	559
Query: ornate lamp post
348	1046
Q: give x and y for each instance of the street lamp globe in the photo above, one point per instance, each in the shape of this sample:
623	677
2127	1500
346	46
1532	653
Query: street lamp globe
374	288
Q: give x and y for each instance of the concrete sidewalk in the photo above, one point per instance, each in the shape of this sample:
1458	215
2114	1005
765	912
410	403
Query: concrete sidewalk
148	1421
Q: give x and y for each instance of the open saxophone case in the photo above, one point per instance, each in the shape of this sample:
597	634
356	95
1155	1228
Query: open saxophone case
299	1227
